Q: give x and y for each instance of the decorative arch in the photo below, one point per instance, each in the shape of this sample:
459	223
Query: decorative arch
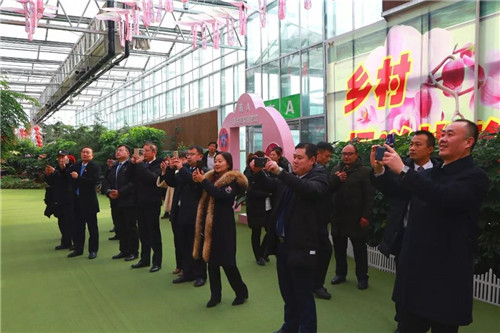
251	111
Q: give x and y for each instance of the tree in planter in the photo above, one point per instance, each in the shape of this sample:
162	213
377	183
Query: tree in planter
12	115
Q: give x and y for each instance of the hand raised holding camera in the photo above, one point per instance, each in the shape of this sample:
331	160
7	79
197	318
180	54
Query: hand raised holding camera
198	176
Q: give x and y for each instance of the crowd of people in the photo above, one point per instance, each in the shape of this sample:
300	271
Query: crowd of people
434	209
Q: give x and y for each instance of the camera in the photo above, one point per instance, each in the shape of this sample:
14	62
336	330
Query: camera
260	162
138	151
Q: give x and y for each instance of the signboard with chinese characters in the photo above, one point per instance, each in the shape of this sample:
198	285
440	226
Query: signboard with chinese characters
417	77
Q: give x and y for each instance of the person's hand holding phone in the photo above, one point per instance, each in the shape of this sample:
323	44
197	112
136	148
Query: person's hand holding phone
198	176
342	175
49	169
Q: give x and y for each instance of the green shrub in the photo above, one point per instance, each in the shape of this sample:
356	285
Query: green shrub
16	182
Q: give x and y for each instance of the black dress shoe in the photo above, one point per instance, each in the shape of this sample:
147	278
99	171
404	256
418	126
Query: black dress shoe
322	293
261	262
363	284
75	253
181	279
119	256
238	301
139	265
92	255
62	247
338	279
155	268
112	230
213	302
113	238
199	282
72	248
130	257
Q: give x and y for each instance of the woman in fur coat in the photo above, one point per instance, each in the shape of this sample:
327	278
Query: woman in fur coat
215	222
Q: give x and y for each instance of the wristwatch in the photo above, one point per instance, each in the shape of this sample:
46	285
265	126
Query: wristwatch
404	171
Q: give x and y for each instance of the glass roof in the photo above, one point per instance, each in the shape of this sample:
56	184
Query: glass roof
32	67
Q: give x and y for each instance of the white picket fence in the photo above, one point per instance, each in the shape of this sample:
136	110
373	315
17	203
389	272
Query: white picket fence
486	286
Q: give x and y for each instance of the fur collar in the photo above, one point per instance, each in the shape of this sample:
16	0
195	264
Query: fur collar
228	178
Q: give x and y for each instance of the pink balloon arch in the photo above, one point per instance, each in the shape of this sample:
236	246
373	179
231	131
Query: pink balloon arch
251	111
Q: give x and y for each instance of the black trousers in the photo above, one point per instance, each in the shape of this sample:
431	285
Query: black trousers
177	244
360	256
324	256
66	223
148	218
126	229
82	218
296	287
413	323
192	268
258	246
233	276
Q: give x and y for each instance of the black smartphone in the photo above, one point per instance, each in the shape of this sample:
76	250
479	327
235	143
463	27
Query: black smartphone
260	162
391	138
379	153
199	165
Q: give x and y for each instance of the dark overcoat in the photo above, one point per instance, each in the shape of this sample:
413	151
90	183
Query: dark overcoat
215	218
352	199
123	182
435	269
255	202
145	177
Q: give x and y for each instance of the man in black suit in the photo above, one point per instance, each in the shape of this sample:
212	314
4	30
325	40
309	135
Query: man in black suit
121	192
85	175
148	200
434	284
295	235
184	208
209	156
421	147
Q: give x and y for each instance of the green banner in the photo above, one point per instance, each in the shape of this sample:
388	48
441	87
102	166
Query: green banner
288	106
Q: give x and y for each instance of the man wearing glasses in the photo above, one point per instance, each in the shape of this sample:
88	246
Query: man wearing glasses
352	205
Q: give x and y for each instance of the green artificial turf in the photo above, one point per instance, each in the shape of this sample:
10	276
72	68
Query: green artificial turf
43	291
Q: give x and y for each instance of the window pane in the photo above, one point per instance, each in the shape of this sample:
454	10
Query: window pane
312	130
290	75
227	85
311	24
270	81
270	36
312	82
289	31
253	50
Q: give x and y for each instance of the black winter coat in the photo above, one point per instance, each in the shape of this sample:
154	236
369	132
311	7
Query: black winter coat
59	194
435	269
86	183
352	199
303	218
256	202
215	218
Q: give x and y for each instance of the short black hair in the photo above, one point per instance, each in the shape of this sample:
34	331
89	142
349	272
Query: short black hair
213	143
152	146
472	130
198	149
311	149
322	145
431	140
182	155
126	147
228	157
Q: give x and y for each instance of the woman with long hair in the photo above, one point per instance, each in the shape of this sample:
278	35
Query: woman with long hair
215	222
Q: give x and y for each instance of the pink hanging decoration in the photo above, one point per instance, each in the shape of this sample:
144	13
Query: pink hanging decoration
262	12
158	11
135	20
194	33
169	5
216	34
243	16
307	4
128	27
230	31
203	36
282	9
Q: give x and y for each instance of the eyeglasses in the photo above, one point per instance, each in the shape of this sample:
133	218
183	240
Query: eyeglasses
348	154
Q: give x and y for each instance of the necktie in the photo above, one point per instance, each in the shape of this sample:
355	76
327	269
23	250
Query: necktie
116	174
81	173
280	224
420	169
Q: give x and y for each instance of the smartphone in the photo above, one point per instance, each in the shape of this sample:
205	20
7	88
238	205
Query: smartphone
138	151
199	165
260	162
175	154
379	153
391	138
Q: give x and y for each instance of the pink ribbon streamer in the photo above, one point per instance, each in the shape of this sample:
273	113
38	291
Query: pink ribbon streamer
282	9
